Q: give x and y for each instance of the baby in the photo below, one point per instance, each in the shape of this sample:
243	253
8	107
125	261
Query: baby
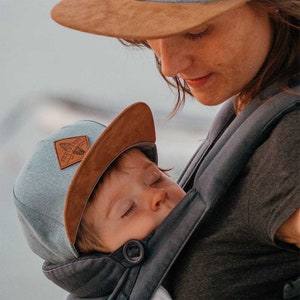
90	189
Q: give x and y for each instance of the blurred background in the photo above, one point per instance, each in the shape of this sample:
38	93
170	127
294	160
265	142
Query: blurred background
51	76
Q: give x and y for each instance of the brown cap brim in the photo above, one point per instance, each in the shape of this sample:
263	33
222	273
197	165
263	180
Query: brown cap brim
134	127
139	20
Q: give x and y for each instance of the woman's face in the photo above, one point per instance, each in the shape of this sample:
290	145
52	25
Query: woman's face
219	58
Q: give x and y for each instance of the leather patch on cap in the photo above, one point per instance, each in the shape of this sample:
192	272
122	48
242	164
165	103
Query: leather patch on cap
71	150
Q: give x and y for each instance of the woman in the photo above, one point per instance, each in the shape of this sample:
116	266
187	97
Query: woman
248	246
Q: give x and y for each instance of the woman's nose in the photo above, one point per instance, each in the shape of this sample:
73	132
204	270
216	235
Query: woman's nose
157	197
172	56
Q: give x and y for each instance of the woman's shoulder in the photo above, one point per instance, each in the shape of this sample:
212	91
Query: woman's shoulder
289	123
284	141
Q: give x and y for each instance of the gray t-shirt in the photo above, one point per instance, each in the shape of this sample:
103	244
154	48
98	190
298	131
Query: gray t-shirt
233	254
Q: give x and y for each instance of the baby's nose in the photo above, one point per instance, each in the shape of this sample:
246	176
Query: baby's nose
158	197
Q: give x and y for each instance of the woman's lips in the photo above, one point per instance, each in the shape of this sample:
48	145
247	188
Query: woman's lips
197	82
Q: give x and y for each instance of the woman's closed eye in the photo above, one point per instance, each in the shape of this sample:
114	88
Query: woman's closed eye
197	34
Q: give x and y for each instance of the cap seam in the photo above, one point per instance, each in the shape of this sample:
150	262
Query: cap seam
20	203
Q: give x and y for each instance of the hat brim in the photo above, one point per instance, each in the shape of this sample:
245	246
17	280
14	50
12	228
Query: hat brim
133	127
138	20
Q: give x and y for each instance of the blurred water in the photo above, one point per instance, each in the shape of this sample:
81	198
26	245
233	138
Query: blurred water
44	67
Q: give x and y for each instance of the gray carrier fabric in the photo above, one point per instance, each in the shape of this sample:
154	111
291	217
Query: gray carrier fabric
136	270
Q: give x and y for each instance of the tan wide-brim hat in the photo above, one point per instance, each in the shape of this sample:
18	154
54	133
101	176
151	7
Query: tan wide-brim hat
138	19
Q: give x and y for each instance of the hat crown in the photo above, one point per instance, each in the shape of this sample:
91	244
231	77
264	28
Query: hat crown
40	192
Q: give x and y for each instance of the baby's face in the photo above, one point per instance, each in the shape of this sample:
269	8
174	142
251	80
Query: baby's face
132	201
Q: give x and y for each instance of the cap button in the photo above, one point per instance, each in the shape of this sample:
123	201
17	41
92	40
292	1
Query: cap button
133	252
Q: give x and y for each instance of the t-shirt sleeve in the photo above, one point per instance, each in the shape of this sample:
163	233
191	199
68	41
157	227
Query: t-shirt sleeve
276	180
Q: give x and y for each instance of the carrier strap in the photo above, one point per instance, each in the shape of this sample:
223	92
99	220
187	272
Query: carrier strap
230	143
222	158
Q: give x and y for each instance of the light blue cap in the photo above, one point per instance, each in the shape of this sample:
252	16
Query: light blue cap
49	206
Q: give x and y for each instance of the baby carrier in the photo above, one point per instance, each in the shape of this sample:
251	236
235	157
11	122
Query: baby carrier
137	269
